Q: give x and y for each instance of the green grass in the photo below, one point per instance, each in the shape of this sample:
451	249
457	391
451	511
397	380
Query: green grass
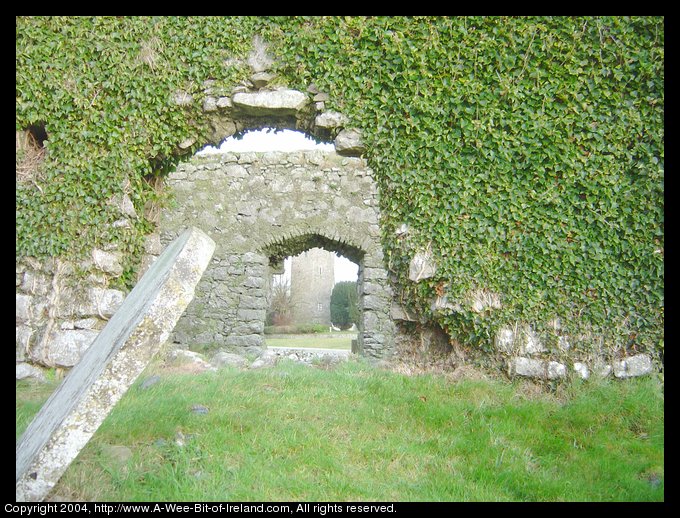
324	341
297	433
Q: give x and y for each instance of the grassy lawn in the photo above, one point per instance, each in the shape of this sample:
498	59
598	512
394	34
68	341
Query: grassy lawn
298	433
323	341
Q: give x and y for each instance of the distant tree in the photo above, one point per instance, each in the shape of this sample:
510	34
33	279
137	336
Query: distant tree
281	304
345	305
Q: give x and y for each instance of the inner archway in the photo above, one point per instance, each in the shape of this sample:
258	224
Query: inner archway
325	270
301	289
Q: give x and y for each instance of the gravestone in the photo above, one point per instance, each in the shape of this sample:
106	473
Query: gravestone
122	350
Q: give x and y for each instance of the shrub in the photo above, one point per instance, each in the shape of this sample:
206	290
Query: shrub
344	305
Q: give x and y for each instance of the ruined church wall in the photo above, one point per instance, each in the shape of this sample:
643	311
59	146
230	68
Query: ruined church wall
251	202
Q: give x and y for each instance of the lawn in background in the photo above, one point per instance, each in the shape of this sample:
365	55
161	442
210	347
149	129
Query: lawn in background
321	341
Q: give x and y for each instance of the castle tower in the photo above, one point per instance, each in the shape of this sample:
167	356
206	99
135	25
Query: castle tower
311	284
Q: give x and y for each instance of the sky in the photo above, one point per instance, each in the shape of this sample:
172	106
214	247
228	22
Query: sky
286	140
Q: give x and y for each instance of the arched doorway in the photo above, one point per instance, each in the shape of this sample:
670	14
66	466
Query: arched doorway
256	205
261	208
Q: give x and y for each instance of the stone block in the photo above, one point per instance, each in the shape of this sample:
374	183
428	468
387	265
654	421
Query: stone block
24	370
259	58
349	143
601	368
86	323
187	142
252	302
209	104
24	335
563	343
152	244
124	204
247	315
108	262
374	302
556	370
482	300
633	366
248	328
267	359
221	128
531	343
532	368
181	98
422	266
23	308
224	102
274	103
262	79
504	340
64	348
330	120
254	340
581	369
102	302
35	283
443	305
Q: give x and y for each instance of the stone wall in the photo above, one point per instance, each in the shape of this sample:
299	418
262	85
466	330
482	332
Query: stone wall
260	208
60	309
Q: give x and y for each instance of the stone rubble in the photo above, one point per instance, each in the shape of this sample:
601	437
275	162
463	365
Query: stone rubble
267	357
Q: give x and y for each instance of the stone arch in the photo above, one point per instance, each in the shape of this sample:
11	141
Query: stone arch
257	104
258	206
374	295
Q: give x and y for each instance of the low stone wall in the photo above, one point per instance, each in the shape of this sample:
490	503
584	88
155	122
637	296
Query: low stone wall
527	355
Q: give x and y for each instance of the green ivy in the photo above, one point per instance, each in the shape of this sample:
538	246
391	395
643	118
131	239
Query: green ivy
528	153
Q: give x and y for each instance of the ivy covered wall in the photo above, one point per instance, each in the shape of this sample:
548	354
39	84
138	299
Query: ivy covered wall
525	154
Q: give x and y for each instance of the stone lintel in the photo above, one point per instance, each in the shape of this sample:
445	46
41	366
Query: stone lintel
275	102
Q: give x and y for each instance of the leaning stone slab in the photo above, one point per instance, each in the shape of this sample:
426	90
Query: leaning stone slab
110	365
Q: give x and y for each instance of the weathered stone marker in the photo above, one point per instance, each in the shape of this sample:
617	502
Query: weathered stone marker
110	365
